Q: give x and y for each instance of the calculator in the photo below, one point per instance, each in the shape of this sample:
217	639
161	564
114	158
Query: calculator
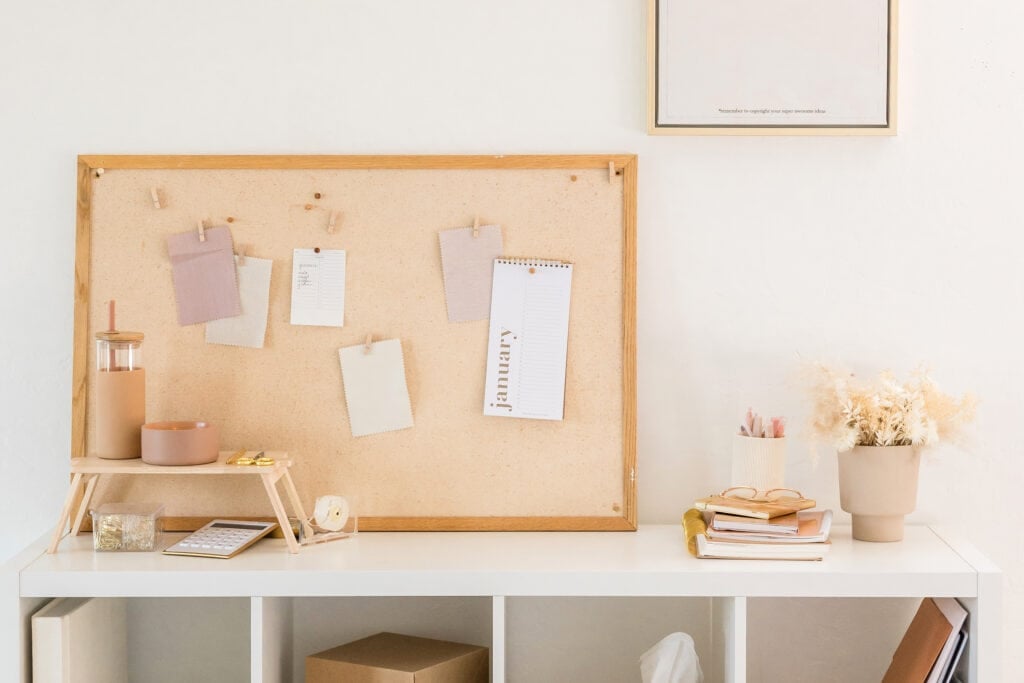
221	538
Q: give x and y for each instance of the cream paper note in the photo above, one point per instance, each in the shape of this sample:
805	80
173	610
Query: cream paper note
250	328
375	388
467	263
528	339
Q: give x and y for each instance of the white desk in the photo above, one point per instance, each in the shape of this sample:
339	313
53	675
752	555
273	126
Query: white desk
473	576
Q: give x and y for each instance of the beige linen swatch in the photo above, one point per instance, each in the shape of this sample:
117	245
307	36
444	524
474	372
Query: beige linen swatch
250	328
375	388
467	263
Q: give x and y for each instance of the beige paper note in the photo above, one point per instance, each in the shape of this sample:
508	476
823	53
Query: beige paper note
250	328
375	388
467	263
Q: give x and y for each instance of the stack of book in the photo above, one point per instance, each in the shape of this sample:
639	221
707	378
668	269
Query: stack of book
731	528
932	646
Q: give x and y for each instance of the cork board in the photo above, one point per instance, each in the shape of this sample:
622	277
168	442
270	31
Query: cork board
456	468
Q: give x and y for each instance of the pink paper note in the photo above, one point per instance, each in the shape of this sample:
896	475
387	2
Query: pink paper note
205	284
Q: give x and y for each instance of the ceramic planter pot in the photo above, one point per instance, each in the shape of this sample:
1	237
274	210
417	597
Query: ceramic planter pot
760	463
878	487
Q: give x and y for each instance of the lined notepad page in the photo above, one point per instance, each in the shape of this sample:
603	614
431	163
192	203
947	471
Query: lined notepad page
528	339
318	287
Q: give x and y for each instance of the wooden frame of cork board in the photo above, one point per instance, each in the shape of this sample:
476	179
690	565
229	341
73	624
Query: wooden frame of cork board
455	469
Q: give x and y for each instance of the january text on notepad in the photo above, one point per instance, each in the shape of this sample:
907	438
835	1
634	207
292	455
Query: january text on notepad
504	370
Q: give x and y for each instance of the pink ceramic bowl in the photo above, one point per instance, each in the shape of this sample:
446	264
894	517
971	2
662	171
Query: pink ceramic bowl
191	442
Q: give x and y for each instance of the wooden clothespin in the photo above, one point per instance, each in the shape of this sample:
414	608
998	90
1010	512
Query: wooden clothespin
332	222
611	171
242	248
155	196
201	229
476	226
368	346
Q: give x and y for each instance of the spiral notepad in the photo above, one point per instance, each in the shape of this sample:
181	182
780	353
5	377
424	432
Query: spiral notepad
528	339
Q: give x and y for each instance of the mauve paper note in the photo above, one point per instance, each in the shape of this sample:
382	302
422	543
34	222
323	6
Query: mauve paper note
250	328
467	264
205	284
375	390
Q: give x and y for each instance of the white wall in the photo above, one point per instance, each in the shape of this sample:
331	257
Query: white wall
755	254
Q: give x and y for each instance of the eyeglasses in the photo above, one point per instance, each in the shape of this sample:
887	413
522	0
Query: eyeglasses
771	495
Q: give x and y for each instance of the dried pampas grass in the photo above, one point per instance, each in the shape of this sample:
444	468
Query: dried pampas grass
846	412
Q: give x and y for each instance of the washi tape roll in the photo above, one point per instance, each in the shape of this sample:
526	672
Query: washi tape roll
331	513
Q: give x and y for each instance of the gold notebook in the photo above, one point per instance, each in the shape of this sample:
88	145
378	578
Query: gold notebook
759	509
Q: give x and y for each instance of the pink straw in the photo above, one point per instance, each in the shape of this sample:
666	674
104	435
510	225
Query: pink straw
112	361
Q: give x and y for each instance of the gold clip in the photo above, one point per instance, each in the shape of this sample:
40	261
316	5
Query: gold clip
240	458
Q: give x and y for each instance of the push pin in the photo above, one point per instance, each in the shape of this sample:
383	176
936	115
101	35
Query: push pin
242	248
155	196
368	346
476	226
99	172
332	221
202	230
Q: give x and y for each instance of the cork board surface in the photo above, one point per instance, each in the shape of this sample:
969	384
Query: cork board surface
455	462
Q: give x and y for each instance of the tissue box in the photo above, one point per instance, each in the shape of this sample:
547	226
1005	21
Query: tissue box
397	658
126	527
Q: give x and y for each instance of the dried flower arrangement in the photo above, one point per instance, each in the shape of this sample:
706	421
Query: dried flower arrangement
847	412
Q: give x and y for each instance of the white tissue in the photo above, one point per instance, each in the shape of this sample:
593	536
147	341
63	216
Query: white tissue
672	660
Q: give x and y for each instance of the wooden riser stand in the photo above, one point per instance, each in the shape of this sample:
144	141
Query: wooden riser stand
86	473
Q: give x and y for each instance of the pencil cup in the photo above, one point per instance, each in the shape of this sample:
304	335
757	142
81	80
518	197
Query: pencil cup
760	463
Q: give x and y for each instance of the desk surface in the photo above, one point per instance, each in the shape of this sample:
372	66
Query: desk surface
94	465
649	562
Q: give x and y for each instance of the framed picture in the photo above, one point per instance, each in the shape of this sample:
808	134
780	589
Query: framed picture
772	67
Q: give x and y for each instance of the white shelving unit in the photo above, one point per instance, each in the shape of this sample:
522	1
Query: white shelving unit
550	605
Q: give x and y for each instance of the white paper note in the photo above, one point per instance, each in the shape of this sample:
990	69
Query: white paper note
318	287
375	388
528	339
250	328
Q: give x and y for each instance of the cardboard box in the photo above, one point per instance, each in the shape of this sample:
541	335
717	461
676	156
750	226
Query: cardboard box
394	658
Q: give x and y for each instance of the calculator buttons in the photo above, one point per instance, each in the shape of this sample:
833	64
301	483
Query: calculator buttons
221	538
